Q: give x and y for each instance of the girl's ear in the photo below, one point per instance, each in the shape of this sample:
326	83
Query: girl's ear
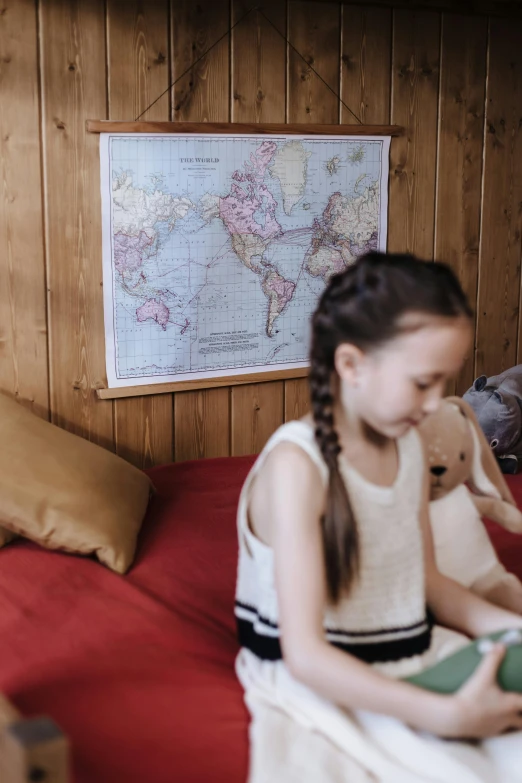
348	359
487	478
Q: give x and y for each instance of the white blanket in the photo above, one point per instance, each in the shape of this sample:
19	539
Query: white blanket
298	737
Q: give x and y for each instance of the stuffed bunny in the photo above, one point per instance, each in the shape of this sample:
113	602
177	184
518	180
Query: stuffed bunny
457	452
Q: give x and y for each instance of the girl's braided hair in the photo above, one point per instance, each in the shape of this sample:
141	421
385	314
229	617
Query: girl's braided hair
363	306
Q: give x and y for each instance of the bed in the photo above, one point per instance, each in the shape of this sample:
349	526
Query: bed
137	671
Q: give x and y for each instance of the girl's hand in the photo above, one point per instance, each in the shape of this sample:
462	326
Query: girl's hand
482	709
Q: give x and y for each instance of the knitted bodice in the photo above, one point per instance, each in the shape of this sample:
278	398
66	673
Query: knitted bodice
384	617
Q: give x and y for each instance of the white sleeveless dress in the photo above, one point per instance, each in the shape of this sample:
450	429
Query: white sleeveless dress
295	734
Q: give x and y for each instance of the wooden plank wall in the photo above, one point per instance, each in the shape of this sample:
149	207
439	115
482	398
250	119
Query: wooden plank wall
454	82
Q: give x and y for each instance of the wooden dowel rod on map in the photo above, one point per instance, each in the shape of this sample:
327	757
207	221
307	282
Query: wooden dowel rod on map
210	383
110	126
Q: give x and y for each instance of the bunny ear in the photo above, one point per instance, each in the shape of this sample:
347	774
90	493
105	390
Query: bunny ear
479	478
487	478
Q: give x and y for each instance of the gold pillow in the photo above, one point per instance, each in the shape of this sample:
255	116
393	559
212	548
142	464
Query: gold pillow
65	493
6	536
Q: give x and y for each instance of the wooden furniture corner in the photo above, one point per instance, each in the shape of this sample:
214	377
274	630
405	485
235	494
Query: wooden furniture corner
31	749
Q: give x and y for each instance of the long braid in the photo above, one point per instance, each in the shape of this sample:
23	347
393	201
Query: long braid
363	306
339	527
340	535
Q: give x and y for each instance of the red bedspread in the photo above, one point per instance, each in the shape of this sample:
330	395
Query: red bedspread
138	670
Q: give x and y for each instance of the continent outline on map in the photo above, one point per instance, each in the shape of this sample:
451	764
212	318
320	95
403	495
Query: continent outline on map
266	203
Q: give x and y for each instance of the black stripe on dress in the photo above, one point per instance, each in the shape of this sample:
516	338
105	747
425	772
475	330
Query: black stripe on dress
269	648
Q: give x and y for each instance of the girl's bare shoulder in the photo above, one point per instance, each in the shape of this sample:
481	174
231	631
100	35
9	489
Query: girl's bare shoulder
295	453
287	487
288	461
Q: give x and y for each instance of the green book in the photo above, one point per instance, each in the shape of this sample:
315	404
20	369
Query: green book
450	674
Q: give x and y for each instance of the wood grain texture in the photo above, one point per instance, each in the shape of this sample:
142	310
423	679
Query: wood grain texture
257	411
203	95
365	64
199	424
499	263
137	49
137	40
258	70
258	63
144	430
23	318
459	164
501	8
415	79
297	399
72	36
316	35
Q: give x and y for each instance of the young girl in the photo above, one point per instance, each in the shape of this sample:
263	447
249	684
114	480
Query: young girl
337	588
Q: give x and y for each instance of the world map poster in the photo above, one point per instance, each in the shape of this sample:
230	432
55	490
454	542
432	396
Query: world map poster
216	247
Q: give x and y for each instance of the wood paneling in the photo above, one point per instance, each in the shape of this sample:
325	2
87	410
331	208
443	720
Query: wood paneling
200	426
316	35
203	95
137	55
505	8
143	429
258	71
258	63
413	157
365	64
256	412
455	191
297	399
74	87
23	319
137	45
499	267
459	171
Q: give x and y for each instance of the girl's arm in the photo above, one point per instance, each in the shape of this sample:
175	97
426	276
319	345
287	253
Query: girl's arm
293	500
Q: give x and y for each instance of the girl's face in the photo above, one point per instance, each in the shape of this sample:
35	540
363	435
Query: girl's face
392	388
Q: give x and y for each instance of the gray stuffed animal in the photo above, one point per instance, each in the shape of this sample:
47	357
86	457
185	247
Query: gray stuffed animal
497	403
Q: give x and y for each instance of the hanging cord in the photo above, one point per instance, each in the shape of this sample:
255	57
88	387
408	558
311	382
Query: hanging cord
241	19
260	11
227	33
